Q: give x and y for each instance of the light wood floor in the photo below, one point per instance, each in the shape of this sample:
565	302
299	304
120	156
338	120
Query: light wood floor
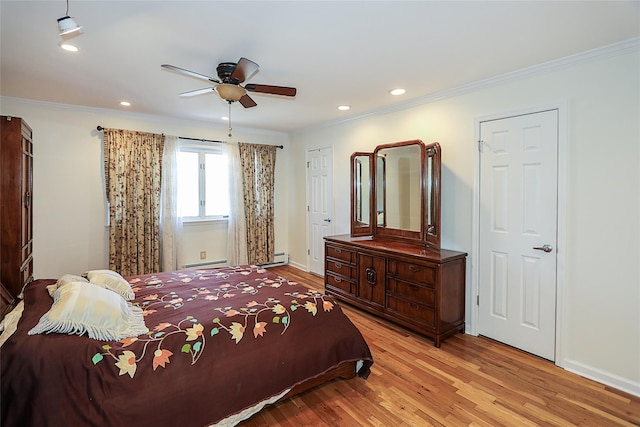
469	381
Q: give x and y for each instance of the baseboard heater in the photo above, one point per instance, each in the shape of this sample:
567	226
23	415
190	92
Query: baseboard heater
279	259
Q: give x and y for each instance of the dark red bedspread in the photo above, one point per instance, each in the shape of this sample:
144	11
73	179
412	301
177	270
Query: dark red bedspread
220	341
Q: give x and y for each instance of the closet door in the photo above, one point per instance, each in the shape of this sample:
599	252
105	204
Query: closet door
518	231
319	205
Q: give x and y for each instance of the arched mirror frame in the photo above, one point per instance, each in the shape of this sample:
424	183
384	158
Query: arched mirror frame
386	168
430	168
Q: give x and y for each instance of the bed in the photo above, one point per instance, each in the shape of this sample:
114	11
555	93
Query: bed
221	344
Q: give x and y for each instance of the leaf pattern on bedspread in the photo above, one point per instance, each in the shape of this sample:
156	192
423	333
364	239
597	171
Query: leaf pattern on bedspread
229	318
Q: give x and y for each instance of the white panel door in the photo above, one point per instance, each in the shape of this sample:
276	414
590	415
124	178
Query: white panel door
320	205
518	231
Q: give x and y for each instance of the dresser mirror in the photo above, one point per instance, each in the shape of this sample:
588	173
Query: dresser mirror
396	192
361	194
433	172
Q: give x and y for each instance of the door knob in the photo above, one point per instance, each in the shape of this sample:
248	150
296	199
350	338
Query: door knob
546	248
327	220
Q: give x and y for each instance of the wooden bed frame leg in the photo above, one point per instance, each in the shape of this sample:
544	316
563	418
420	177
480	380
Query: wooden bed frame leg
345	371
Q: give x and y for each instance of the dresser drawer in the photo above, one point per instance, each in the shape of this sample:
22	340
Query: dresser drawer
411	310
340	253
412	291
340	268
340	283
412	272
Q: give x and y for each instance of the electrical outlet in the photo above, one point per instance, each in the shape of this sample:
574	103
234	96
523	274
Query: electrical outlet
203	255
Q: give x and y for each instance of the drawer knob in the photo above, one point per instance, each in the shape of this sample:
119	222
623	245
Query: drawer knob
414	268
371	276
338	251
338	265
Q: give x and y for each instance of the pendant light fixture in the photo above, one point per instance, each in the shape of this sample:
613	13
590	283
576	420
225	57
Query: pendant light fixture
67	25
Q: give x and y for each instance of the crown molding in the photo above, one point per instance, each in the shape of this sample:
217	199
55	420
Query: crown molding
612	50
616	49
135	115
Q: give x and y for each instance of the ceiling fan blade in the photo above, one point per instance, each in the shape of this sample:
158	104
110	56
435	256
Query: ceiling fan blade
275	90
189	73
198	91
247	102
245	69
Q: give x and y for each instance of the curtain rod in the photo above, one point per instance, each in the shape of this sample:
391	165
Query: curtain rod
100	129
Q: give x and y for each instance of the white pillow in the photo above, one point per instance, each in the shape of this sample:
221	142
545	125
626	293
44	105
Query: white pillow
102	314
111	280
69	278
63	280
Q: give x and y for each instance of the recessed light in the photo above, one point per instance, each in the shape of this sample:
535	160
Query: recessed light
68	47
225	118
397	92
125	103
344	107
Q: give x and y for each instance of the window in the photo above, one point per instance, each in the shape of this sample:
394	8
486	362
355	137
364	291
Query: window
203	182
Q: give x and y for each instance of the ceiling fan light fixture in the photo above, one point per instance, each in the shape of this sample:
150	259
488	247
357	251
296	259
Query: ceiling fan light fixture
230	92
67	25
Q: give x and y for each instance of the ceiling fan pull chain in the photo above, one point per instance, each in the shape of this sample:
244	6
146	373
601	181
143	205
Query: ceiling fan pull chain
229	119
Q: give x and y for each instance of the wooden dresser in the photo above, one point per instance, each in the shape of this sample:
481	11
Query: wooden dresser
404	282
16	195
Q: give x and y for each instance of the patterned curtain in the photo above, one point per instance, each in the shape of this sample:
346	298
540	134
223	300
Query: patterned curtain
132	175
258	163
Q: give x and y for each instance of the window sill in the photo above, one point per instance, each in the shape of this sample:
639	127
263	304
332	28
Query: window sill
200	221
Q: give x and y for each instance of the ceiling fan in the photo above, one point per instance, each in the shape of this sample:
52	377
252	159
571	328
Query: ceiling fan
231	75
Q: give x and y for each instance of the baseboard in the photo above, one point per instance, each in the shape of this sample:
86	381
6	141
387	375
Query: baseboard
602	377
298	266
207	264
280	258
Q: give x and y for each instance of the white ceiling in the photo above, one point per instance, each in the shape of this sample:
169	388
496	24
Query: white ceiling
333	52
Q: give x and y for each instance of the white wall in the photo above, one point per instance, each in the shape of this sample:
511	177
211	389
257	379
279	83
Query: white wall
600	316
70	234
